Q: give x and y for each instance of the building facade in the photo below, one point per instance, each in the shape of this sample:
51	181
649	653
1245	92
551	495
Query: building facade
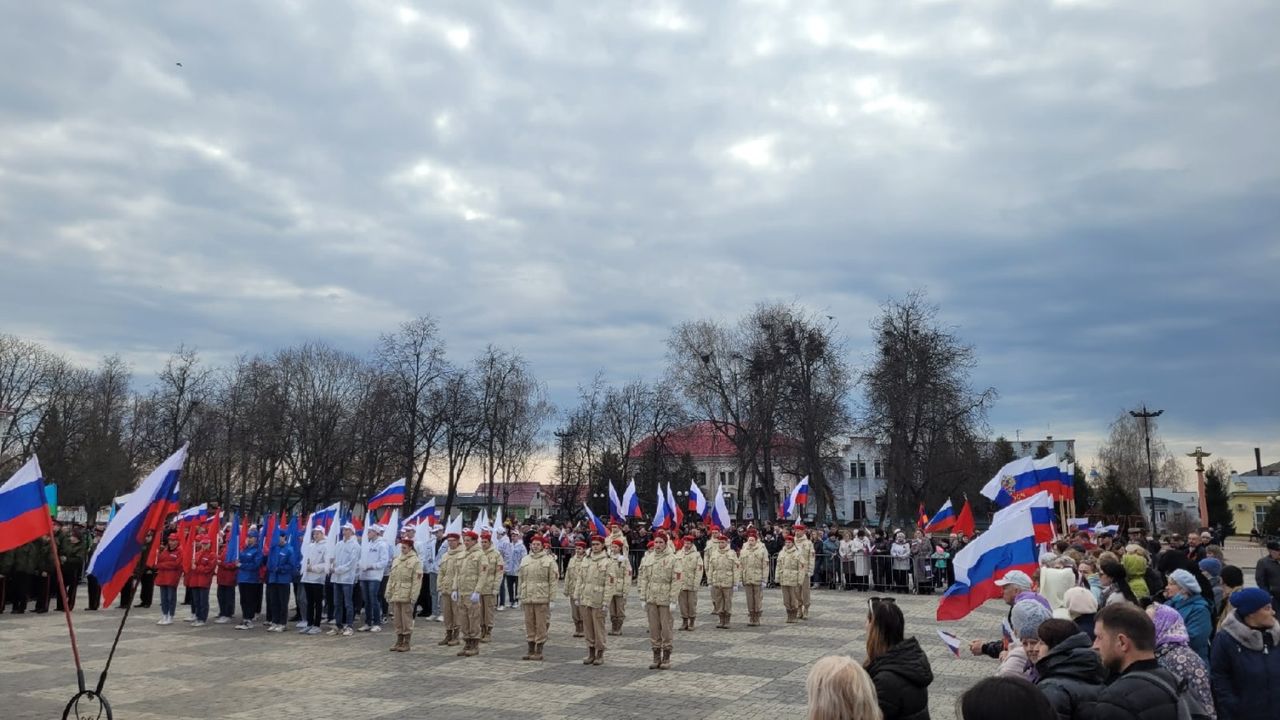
1250	495
1176	511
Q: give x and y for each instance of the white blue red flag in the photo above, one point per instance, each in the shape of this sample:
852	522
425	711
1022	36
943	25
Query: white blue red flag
673	508
597	527
390	496
660	516
24	512
426	513
945	518
951	641
719	515
631	501
697	501
117	554
1009	545
616	510
1039	507
799	496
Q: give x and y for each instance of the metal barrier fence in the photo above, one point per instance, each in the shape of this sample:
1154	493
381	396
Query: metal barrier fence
919	574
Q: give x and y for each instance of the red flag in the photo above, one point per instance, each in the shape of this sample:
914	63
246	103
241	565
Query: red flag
924	518
964	521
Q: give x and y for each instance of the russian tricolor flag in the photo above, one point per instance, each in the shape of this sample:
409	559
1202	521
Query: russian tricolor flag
597	527
1011	481
24	514
661	516
1008	545
195	514
426	513
799	496
1039	507
719	515
615	506
697	501
631	501
117	554
391	496
673	509
945	518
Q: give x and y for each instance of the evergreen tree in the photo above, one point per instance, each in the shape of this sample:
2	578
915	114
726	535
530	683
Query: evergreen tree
1116	499
1084	494
1215	495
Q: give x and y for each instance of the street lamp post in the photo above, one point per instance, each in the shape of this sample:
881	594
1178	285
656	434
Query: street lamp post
1146	416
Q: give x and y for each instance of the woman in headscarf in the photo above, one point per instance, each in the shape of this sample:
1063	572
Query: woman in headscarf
1183	593
1135	570
1082	608
1174	653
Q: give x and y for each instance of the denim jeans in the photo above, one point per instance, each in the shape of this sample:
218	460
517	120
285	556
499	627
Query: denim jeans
372	605
344	612
168	599
200	603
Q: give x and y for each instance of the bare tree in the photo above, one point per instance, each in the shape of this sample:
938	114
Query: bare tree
29	377
414	360
463	425
1123	456
918	401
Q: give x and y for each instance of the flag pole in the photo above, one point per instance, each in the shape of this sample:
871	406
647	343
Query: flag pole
66	607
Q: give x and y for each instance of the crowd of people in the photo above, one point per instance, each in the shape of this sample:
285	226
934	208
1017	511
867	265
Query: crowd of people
1105	628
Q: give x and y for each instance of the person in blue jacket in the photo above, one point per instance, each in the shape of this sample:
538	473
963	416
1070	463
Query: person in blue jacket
1245	672
1183	594
249	580
280	566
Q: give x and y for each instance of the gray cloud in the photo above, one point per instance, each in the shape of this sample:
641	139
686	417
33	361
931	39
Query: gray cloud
1088	188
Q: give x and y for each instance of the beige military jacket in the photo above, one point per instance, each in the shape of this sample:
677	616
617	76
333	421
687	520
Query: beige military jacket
754	559
490	570
791	566
662	578
469	578
573	575
723	569
599	576
538	574
691	567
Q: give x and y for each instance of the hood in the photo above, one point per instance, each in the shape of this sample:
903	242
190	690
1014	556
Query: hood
1249	637
1073	658
906	660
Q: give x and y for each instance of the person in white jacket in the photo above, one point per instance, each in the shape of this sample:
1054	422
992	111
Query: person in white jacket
374	558
512	556
316	564
346	559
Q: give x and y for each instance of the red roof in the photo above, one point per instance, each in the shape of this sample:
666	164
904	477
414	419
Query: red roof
518	493
702	439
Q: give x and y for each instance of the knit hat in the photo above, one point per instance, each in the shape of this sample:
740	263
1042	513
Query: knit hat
1211	566
1249	601
1080	601
1232	576
1186	581
1027	617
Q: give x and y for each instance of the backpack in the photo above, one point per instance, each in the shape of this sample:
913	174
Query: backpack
1189	708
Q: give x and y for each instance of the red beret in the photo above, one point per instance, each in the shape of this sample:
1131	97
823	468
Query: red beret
451	535
469	534
538	539
787	537
486	535
613	525
690	538
649	545
597	539
720	536
618	542
406	541
581	543
752	533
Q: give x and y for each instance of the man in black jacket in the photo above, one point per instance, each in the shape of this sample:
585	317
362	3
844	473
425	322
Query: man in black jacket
1266	574
1126	640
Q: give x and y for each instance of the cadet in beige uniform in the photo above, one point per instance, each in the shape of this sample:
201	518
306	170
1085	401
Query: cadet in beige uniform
445	578
490	579
790	574
805	546
709	552
660	588
467	588
754	559
538	574
595	588
618	601
572	579
403	583
691	568
724	576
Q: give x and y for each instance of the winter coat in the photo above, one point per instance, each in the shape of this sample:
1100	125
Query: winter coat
405	578
642	573
599	575
1245	671
1187	666
512	555
1016	664
1071	676
573	575
723	569
791	567
250	563
622	569
1086	624
805	546
203	565
1198	617
316	562
346	560
691	568
754	561
448	567
168	567
1132	697
661	587
374	558
901	553
227	573
901	677
1135	571
280	564
1266	575
469	577
491	570
538	574
861	556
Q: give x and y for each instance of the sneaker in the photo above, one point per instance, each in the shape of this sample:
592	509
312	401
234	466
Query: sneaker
302	624
247	624
314	631
376	628
190	619
438	618
197	623
331	631
346	631
366	628
303	630
277	628
165	620
222	620
515	605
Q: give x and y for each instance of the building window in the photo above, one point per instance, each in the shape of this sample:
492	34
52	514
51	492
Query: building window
702	478
859	510
721	477
862	469
1260	516
853	469
877	469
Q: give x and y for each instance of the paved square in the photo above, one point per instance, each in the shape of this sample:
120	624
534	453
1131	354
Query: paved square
177	672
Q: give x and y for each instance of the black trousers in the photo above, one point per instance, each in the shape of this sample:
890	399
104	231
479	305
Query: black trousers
382	595
95	592
41	587
18	583
148	589
315	603
226	600
278	603
250	600
328	598
424	598
71	581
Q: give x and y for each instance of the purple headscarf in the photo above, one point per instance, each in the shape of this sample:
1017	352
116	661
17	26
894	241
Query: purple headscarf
1170	629
1028	595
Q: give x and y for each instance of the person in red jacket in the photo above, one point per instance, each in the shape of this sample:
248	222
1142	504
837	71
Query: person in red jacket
168	573
227	583
200	577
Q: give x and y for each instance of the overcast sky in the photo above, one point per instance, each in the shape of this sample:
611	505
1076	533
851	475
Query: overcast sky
1088	189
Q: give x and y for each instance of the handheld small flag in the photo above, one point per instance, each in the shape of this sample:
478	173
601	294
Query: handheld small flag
232	551
951	641
1006	631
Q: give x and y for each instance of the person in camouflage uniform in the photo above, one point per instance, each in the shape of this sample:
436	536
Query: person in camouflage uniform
538	573
791	576
618	600
491	570
724	575
754	559
446	577
805	546
691	569
595	588
572	578
662	584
